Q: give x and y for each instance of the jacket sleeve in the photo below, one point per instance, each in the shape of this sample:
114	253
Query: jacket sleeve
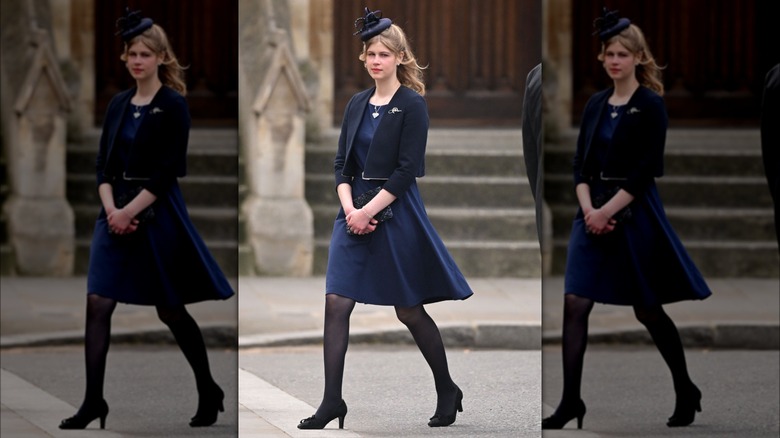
651	140
172	151
411	150
578	162
341	152
102	156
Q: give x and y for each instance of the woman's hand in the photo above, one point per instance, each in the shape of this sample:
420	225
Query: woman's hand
120	222
597	222
359	222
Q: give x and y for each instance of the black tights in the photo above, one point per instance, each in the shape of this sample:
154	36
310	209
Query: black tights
664	333
336	339
98	337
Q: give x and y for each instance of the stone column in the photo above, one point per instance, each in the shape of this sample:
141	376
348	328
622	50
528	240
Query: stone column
557	53
279	222
39	219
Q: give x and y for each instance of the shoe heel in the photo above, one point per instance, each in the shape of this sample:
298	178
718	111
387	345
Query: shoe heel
103	421
341	421
579	421
221	407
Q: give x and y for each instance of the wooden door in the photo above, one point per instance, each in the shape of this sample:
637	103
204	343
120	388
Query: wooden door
204	36
715	53
478	54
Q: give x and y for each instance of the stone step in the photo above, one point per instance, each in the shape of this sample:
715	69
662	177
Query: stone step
715	259
224	252
200	162
688	191
443	191
720	140
210	152
319	160
452	139
463	224
210	190
558	161
475	192
199	191
698	223
215	223
475	259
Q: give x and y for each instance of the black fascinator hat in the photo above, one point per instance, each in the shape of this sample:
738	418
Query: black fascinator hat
372	24
132	24
609	24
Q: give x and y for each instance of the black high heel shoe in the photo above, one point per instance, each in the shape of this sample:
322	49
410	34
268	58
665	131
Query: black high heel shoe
565	414
86	415
685	408
319	423
441	420
208	407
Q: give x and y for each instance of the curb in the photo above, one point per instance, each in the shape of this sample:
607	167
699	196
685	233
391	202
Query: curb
215	336
724	335
506	336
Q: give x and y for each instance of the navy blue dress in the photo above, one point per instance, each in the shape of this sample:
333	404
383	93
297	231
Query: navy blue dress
165	261
642	261
403	262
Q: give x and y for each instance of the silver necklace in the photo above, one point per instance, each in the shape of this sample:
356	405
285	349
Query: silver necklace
375	114
137	112
614	112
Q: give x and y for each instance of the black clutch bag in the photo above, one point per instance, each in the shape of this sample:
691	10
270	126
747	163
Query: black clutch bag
361	201
602	198
124	198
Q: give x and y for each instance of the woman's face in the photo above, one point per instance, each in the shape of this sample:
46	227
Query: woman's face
142	62
381	63
619	62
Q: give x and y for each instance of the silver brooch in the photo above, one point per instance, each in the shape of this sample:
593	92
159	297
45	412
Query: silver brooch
633	110
156	110
394	110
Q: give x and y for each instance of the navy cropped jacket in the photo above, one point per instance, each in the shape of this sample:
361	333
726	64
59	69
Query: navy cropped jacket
158	154
397	151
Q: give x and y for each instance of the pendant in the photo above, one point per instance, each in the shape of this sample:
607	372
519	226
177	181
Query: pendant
137	114
375	114
614	114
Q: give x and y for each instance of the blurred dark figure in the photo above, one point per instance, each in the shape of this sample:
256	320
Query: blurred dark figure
532	138
770	140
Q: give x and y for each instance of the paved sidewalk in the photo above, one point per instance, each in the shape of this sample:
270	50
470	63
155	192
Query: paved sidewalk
503	313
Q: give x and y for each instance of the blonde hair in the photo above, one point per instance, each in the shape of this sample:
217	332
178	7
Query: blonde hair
409	72
648	71
171	73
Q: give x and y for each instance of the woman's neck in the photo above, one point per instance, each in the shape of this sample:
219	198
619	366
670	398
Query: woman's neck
624	89
386	89
145	90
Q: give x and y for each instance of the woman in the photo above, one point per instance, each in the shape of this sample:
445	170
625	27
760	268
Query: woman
400	261
622	249
145	249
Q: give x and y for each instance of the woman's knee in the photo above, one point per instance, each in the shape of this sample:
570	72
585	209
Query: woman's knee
649	315
171	315
409	315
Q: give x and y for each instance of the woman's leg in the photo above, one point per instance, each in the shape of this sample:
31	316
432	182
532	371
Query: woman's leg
190	340
97	338
335	342
96	342
576	311
428	339
667	340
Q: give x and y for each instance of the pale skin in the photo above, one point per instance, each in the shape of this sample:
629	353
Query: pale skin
620	64
382	64
142	63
